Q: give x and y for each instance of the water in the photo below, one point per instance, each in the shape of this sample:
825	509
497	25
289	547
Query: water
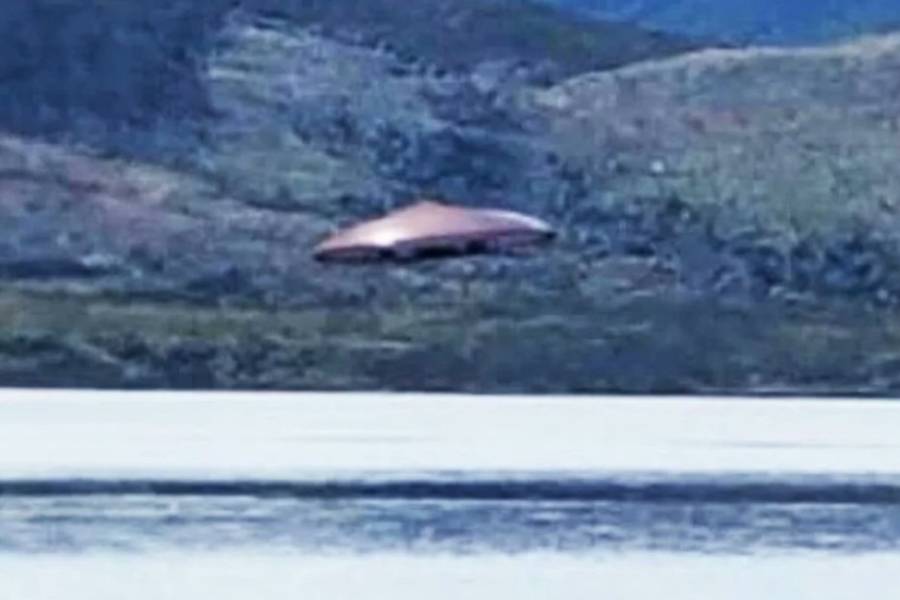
390	576
148	523
217	497
219	546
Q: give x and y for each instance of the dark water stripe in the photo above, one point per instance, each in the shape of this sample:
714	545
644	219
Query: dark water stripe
727	491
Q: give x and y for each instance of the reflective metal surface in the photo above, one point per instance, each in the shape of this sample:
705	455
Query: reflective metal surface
433	226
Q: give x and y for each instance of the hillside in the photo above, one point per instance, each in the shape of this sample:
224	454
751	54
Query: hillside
100	71
727	216
802	140
749	21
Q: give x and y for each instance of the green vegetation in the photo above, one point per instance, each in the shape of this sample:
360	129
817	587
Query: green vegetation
127	76
657	344
93	69
473	31
791	140
728	219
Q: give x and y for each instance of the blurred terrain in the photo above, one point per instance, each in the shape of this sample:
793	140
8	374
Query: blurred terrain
728	217
750	21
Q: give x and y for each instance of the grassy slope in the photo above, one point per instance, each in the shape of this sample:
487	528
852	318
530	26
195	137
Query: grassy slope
222	292
126	76
801	140
653	344
621	328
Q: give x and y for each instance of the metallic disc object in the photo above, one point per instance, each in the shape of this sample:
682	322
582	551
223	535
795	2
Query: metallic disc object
433	229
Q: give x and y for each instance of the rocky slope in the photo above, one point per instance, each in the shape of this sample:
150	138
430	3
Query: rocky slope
720	230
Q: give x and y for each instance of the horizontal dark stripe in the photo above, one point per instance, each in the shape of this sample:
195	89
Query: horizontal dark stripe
728	491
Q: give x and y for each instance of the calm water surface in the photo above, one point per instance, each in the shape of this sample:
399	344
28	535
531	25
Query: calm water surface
109	497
